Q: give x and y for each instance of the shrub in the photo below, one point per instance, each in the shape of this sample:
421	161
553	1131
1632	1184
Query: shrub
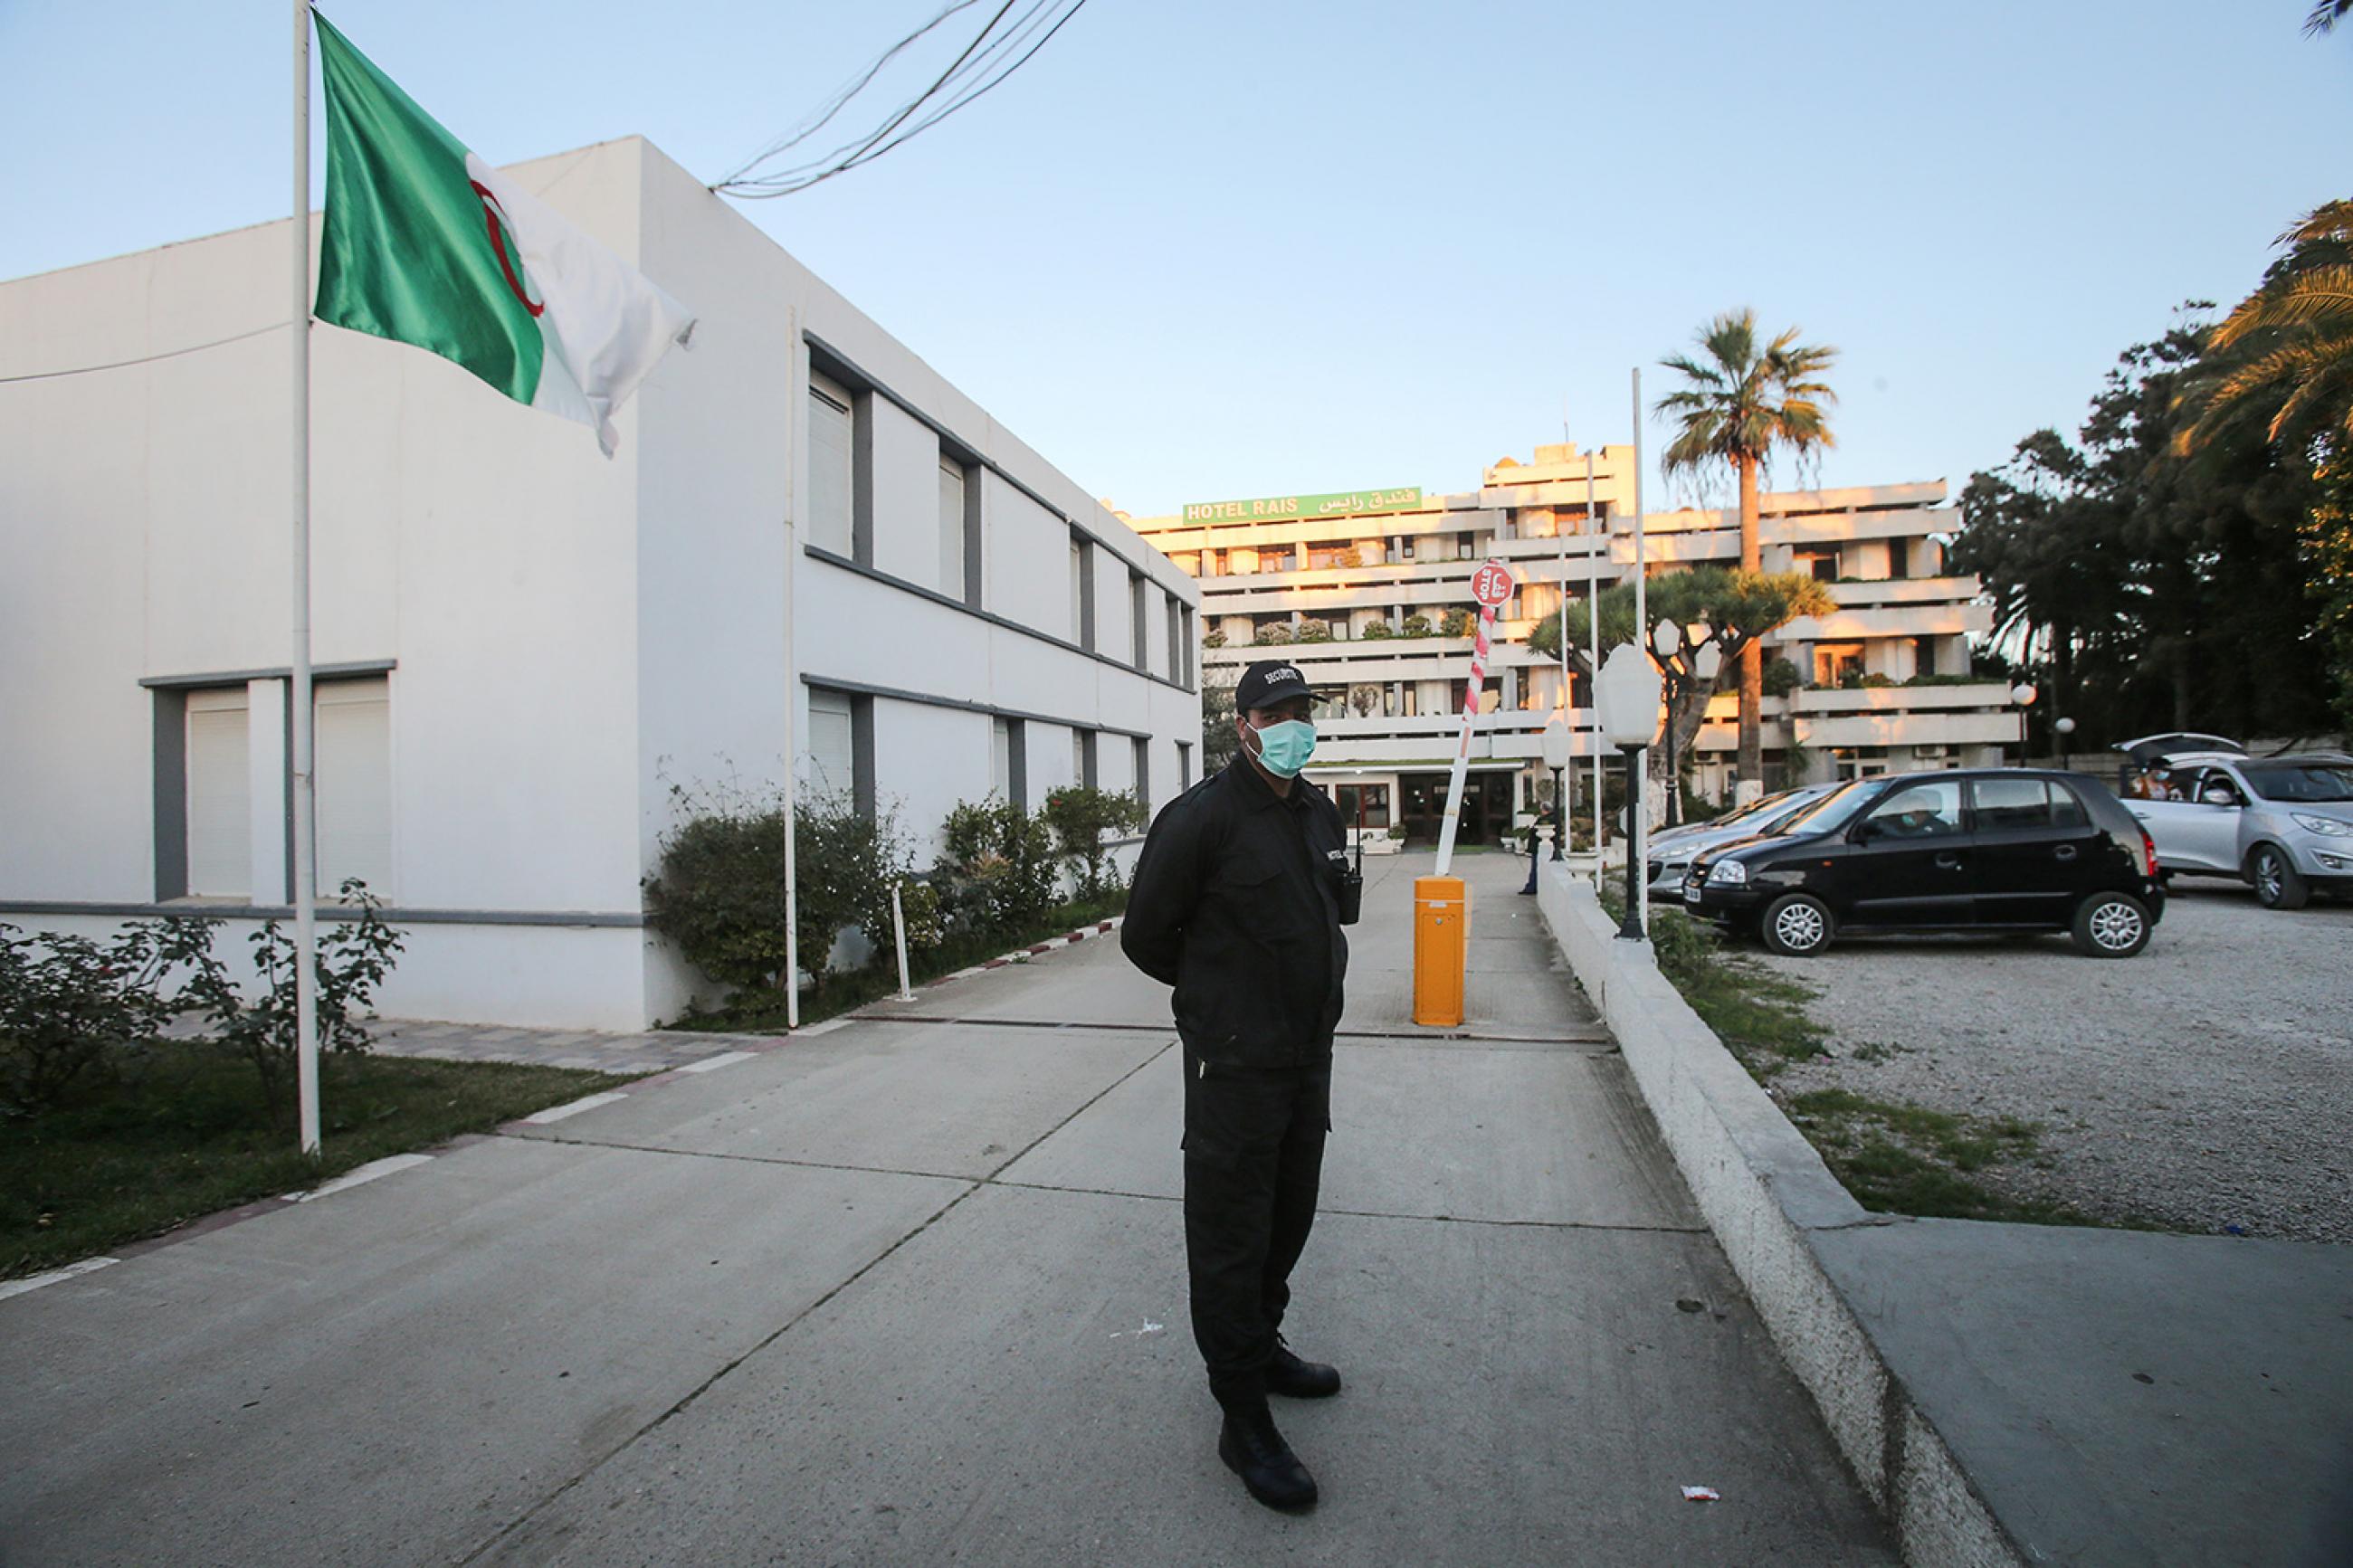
1458	624
996	871
1876	682
71	1008
844	861
1415	625
1781	679
1376	630
1313	631
1215	637
1272	635
1080	818
352	960
720	894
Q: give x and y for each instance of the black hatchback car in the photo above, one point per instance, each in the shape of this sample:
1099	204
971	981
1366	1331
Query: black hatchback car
1995	849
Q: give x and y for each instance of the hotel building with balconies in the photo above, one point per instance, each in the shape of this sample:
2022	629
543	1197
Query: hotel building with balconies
1356	588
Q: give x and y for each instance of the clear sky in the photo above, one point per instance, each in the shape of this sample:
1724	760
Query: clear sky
1200	249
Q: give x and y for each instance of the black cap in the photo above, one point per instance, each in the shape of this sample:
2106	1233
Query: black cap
1268	682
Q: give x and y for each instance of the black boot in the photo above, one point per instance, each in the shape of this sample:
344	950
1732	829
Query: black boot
1254	1450
1295	1379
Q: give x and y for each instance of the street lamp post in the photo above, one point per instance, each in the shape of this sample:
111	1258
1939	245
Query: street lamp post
1560	743
1627	696
2023	695
2066	728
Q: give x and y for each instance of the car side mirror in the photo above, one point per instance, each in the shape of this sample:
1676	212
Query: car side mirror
1865	832
2219	797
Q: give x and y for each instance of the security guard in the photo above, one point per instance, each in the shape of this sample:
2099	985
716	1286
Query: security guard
1238	899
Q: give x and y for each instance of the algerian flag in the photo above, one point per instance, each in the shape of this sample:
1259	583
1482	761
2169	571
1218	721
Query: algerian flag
425	244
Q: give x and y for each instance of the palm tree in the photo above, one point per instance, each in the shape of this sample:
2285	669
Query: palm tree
1741	403
2325	15
2286	354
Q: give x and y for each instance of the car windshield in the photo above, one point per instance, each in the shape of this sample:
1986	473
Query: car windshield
2301	781
1785	817
1739	814
1834	810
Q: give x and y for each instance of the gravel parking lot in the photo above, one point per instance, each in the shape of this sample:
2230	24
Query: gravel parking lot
2206	1084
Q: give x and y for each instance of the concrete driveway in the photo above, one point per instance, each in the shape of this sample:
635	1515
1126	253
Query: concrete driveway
912	1291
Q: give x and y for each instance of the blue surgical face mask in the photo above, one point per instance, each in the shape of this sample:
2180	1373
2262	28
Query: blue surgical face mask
1284	748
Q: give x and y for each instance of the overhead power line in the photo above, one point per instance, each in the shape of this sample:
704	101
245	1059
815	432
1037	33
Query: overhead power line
1001	47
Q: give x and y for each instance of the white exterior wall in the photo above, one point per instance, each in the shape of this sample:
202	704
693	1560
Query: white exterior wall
570	635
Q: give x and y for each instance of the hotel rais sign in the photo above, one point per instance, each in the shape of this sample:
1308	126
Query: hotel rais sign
1279	509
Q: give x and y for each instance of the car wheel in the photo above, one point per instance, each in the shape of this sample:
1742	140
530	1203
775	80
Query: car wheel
2278	884
1797	925
2111	925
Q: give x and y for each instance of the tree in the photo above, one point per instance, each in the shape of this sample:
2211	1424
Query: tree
2279	371
2326	15
2152	582
2284	356
1741	403
1736	609
1217	739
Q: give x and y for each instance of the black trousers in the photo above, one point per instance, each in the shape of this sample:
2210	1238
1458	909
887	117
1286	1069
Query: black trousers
1254	1157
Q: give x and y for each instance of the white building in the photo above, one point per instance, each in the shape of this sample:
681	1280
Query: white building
522	645
1883	682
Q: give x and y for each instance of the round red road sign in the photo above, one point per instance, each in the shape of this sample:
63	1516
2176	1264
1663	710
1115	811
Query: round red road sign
1492	583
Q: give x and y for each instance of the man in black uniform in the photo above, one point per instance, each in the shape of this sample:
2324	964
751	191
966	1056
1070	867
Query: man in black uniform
1237	904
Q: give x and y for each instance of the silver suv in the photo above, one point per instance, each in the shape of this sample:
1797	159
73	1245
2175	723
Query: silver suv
2284	824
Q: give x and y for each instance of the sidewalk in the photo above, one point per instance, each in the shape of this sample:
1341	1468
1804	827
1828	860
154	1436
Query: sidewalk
910	1289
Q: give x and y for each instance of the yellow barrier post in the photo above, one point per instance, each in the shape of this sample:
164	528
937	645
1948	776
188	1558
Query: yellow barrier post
1441	948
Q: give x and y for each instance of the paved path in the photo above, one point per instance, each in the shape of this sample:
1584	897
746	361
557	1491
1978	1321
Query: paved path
912	1291
658	1050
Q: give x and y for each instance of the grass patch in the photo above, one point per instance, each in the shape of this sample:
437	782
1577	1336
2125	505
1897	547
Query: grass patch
1895	1156
1760	1015
762	1012
182	1133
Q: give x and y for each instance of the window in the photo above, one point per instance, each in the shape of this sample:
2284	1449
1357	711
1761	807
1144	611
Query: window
1899	558
1082	592
1859	762
832	441
832	746
1001	758
1183	765
1835	663
1823	564
1174	611
350	751
219	795
1143	750
952	527
1139	634
1917	811
1087	759
1371	800
2011	806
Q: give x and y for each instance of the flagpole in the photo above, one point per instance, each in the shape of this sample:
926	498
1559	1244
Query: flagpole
306	934
795	487
1639	786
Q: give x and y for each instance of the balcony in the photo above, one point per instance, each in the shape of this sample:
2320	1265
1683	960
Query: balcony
1429	739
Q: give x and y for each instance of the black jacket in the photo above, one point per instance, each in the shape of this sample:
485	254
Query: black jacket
1234	905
